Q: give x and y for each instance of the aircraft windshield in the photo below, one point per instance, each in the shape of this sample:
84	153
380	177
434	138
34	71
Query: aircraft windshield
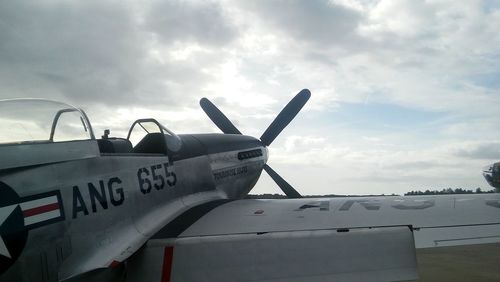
36	120
143	127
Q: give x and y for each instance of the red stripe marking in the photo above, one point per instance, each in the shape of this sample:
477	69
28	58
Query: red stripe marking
167	264
41	209
114	264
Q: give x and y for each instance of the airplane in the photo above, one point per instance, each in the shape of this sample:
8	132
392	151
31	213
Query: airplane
157	206
492	175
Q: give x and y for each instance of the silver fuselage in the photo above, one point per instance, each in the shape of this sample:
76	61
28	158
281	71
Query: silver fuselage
109	205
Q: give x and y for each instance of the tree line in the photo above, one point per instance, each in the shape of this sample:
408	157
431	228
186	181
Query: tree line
448	191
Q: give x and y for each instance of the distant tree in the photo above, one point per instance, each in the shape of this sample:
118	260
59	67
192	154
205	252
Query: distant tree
448	191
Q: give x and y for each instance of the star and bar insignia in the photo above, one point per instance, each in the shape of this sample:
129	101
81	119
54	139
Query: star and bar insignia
18	215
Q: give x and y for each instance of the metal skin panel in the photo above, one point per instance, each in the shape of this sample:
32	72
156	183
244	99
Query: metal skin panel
108	206
438	220
378	254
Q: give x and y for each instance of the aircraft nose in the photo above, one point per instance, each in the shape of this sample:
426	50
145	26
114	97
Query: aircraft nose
492	174
488	169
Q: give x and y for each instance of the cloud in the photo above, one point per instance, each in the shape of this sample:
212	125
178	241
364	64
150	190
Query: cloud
403	93
401	18
203	22
317	22
88	53
78	50
482	151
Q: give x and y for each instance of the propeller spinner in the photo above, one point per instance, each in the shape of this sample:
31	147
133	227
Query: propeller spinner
279	123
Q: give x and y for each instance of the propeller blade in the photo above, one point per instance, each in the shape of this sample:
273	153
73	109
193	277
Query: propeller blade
285	117
285	187
222	122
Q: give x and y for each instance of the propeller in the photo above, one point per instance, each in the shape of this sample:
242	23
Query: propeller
285	117
289	191
222	122
279	123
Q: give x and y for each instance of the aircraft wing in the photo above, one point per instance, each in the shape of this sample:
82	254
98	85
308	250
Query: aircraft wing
322	239
444	220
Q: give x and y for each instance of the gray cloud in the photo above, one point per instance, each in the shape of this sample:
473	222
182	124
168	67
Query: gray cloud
122	60
409	165
487	151
79	50
317	22
196	21
91	52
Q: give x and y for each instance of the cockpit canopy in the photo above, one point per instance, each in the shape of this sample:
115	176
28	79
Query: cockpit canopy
39	121
37	131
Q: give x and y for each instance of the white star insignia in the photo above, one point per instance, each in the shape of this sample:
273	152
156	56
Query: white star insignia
5	212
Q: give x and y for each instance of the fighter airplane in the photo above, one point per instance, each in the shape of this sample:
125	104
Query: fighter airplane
156	206
492	175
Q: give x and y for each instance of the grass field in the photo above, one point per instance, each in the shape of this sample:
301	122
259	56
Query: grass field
460	263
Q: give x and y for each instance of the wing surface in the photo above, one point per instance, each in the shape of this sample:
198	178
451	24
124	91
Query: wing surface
321	239
443	220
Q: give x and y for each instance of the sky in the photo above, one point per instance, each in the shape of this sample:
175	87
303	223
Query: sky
405	94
